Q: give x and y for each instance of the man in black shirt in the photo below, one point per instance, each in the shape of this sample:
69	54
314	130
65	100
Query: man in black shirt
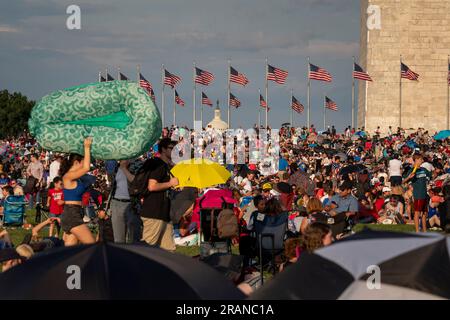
155	214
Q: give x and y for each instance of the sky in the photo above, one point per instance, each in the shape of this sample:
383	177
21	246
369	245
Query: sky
39	55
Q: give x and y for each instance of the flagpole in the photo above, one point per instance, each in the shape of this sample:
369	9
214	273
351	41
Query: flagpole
138	70
324	112
309	97
193	97
259	118
400	105
267	92
162	94
259	108
353	95
174	108
100	76
292	112
228	96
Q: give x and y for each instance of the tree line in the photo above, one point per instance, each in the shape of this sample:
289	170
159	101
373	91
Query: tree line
15	110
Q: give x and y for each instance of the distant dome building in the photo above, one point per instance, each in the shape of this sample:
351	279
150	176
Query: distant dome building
217	123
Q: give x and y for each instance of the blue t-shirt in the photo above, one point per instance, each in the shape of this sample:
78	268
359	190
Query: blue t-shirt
282	164
419	183
347	204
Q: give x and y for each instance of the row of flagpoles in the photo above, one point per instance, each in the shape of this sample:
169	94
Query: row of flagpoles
277	75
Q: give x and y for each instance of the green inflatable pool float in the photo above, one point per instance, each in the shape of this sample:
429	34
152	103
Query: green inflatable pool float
119	115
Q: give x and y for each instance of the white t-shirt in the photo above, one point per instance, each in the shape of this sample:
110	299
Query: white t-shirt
53	171
247	185
395	167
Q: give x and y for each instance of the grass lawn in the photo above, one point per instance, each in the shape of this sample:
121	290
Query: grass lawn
385	227
18	234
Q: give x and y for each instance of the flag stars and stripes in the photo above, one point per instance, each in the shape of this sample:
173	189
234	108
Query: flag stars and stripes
320	74
205	100
237	77
330	104
234	101
297	106
276	74
171	79
358	73
147	86
262	102
122	76
203	77
407	73
178	100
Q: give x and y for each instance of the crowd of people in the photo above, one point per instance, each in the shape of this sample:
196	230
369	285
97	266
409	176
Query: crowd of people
325	184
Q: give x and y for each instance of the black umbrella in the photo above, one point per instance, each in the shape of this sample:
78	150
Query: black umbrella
113	271
352	168
411	266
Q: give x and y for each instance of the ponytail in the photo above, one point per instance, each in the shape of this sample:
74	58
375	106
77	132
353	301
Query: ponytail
67	163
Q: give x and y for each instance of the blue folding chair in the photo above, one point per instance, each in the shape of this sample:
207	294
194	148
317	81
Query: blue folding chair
14	211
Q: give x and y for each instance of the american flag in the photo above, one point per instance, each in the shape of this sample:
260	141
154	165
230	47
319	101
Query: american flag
171	79
330	104
152	95
203	77
358	73
407	73
205	100
234	101
237	77
317	73
178	100
262	102
109	77
448	77
146	86
122	76
277	75
297	106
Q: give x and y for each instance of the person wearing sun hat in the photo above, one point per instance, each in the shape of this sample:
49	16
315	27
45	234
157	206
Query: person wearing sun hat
266	190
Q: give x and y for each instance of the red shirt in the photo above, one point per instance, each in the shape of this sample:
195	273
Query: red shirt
55	195
379	204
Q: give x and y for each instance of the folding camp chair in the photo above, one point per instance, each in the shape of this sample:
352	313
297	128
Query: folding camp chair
42	212
270	232
210	241
14	211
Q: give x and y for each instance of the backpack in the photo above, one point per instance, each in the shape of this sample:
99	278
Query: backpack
227	224
138	188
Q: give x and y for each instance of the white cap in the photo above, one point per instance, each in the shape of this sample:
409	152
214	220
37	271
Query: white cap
386	189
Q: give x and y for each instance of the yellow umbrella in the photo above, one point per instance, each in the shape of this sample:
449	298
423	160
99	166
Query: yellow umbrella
200	173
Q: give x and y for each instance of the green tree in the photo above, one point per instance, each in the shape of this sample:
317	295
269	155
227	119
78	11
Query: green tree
15	110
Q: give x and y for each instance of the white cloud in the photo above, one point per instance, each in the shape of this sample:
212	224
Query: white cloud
339	48
6	28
